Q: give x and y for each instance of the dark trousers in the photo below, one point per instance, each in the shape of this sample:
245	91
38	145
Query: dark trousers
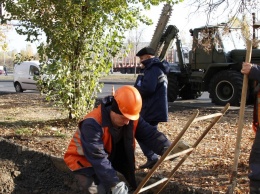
254	163
150	155
87	183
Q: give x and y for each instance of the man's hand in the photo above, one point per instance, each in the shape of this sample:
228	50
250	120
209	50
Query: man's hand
120	188
246	67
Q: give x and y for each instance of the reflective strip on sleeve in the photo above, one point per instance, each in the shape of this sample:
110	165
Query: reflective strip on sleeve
162	78
78	143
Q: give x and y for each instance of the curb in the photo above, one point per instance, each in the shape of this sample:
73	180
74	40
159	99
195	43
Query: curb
6	80
118	82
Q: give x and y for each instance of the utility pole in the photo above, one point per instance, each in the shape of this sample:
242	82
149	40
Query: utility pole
138	35
135	57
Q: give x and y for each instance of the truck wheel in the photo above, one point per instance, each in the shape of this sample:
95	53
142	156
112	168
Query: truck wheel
173	88
18	87
187	93
226	87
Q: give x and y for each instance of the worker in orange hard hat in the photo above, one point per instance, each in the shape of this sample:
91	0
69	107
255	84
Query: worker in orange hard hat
104	143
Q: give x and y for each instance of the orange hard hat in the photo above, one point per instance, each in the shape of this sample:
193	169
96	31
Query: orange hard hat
129	101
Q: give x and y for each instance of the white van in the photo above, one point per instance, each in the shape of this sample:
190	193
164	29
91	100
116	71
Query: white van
24	75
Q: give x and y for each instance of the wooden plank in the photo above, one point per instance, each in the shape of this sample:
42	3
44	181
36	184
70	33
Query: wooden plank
207	117
151	172
213	122
153	185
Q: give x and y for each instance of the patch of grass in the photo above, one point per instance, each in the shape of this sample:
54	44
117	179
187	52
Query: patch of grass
118	76
8	77
46	131
8	118
114	76
23	131
59	134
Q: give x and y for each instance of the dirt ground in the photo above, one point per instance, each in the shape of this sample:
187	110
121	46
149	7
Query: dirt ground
33	124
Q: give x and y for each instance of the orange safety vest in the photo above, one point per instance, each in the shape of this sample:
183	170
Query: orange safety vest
74	156
256	114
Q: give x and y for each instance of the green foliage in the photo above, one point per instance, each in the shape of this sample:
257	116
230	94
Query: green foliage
82	37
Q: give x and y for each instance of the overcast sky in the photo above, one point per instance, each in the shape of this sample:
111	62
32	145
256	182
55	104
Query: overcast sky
185	18
17	42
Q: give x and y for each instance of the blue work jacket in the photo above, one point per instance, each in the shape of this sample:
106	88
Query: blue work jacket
152	84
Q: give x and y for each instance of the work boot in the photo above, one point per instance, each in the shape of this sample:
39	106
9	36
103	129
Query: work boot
181	145
254	190
254	187
149	164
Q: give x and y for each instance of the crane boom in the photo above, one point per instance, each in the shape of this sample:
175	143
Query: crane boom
160	28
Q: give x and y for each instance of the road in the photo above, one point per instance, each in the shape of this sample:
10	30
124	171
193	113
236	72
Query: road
203	101
7	86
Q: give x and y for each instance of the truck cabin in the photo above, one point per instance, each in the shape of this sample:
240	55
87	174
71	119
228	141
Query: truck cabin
212	44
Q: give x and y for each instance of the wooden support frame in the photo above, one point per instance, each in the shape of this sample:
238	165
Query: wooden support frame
163	182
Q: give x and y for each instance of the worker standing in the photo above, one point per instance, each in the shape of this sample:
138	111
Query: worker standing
104	143
253	72
152	84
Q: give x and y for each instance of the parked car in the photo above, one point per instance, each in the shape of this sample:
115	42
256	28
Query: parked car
24	75
2	71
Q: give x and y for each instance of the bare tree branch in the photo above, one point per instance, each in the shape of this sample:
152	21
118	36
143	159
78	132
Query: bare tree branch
215	9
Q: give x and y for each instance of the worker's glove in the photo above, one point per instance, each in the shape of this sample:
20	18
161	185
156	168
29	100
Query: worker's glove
120	188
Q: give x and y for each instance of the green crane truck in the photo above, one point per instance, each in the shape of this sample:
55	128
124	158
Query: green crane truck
213	66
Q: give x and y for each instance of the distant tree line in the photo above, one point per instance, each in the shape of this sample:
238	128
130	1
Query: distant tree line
8	58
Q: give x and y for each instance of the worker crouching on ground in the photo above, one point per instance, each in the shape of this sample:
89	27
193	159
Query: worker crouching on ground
105	143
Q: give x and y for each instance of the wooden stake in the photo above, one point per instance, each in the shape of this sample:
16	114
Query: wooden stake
232	187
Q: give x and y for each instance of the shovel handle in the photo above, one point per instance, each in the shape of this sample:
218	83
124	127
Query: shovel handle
240	121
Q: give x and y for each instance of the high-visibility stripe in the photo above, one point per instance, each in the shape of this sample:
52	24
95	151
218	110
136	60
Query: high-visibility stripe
76	139
162	78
